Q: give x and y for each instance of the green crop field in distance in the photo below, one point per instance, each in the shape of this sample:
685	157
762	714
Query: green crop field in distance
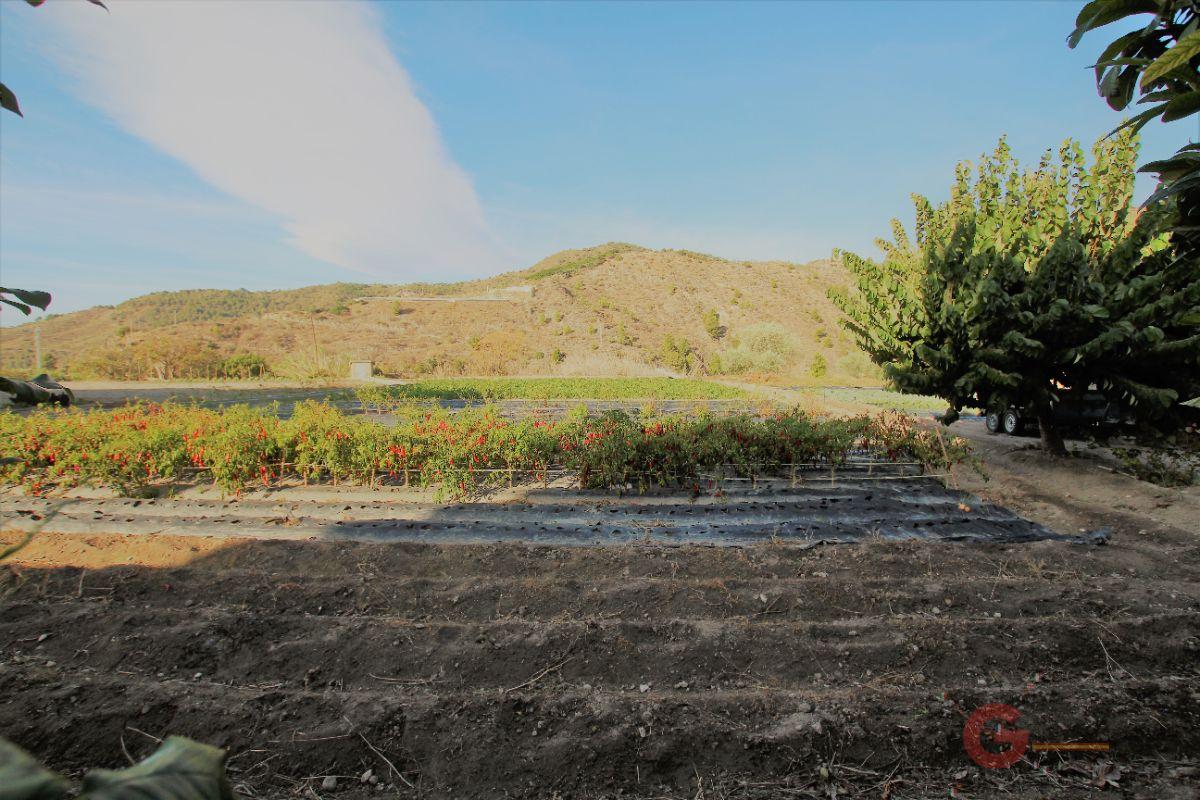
552	389
891	401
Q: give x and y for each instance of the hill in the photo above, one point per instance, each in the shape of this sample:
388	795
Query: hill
615	309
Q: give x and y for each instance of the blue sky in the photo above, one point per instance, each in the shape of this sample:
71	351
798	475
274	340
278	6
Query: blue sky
438	141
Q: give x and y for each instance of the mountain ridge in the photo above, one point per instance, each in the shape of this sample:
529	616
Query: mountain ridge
615	308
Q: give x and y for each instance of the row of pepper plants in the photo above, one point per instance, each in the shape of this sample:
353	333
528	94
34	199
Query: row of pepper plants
459	454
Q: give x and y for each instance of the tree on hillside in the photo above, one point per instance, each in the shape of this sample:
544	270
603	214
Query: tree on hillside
712	324
818	367
1027	284
677	354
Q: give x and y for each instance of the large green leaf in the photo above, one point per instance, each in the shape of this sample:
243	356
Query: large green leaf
27	298
1099	13
179	769
1182	106
1117	87
1175	167
9	100
23	778
1138	122
24	309
36	3
1186	183
1114	49
1178	56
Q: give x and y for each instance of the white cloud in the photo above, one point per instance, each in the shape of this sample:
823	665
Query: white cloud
298	108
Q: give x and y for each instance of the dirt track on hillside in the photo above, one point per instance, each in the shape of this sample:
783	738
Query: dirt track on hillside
640	670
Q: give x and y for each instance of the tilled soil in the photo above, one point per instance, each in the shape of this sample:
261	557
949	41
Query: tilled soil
893	506
631	670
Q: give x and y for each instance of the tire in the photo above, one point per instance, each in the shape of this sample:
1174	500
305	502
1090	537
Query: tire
991	421
1011	422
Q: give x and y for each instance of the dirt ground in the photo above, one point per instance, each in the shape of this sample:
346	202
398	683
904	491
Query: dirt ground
634	671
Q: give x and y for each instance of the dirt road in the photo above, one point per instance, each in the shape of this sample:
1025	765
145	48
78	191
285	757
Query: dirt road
638	670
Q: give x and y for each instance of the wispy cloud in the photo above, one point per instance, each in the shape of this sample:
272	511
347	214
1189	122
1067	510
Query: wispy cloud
299	109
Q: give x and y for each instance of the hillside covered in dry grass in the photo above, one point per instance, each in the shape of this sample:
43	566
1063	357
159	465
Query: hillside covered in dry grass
615	309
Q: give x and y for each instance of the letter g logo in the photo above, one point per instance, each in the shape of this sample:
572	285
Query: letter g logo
980	723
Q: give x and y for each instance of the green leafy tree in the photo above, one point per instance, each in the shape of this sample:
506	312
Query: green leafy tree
245	365
818	367
1025	284
677	353
712	324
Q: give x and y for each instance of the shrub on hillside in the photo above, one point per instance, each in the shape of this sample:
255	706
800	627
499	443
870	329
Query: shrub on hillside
768	337
162	359
739	361
712	324
246	365
677	354
118	363
304	365
858	364
497	352
818	367
593	258
765	347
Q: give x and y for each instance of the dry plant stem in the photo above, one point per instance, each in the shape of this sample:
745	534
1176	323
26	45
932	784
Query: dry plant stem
539	676
387	761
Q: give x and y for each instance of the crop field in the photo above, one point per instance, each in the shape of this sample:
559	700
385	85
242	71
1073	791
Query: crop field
885	399
576	389
627	522
644	669
142	447
620	604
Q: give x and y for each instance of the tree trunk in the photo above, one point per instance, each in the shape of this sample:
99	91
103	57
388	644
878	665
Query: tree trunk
1052	440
